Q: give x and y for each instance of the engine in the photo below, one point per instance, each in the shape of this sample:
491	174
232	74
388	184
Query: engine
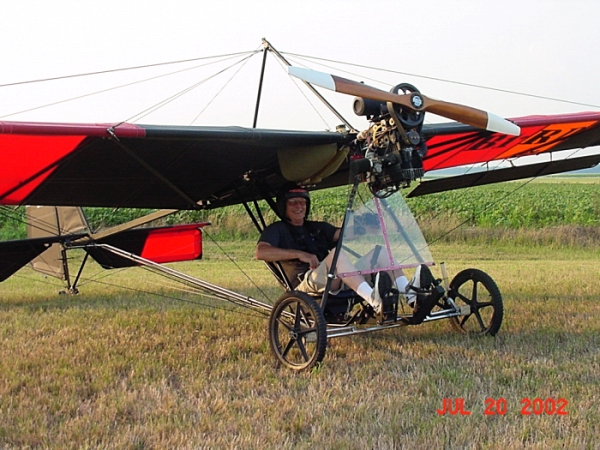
389	154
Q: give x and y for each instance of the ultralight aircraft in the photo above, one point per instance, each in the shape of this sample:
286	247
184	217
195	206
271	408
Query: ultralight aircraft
172	168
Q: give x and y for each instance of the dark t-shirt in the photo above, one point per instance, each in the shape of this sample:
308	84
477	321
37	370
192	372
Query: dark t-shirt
312	237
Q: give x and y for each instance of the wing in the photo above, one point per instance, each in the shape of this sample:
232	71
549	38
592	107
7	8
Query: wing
152	166
456	145
174	167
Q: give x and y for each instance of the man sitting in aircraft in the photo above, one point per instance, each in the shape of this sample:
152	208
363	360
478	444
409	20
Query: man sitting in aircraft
303	249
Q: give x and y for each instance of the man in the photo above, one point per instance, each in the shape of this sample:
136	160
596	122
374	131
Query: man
304	247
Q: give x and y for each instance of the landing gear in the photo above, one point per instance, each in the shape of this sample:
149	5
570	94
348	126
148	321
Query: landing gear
478	291
297	331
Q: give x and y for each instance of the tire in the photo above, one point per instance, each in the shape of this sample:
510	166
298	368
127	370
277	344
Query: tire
477	289
297	331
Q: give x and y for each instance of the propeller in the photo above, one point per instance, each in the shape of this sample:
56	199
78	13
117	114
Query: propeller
415	101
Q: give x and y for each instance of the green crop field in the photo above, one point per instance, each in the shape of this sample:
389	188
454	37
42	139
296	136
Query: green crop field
517	205
137	362
548	202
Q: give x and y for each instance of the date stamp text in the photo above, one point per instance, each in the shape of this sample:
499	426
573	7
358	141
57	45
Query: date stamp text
499	407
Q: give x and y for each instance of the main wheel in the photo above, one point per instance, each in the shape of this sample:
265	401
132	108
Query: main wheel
297	331
477	289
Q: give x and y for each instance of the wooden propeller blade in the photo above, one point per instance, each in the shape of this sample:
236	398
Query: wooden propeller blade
415	101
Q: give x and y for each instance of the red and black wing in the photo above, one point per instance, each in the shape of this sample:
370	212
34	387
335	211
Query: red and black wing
454	145
141	166
208	167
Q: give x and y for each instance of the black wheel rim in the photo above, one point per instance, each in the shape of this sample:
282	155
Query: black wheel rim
297	332
477	290
482	308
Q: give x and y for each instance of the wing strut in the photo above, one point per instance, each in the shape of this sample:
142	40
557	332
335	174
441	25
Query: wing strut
260	85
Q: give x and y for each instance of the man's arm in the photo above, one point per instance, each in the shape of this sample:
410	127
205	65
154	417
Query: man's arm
336	236
269	253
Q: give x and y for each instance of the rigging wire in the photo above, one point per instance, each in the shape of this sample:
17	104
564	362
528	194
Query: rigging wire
175	285
204	232
119	87
63	77
242	63
19	215
303	57
168	100
472	167
250	312
100	274
200	292
14	215
310	102
474	214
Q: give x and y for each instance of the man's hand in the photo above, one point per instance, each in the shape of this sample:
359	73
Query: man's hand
312	260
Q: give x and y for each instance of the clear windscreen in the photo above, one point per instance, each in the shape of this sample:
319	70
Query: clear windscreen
382	234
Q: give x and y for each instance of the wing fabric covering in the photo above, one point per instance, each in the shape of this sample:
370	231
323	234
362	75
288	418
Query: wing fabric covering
457	145
22	173
31	152
142	166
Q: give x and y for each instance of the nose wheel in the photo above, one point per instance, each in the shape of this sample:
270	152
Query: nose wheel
478	290
297	331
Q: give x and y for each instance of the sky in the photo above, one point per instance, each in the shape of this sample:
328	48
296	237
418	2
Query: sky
545	49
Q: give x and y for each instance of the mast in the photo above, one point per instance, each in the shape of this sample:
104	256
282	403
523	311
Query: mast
268	47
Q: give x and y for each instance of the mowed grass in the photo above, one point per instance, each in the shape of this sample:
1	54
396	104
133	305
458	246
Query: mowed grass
118	367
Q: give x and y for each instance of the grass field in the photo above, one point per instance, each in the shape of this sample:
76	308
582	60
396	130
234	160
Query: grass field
117	367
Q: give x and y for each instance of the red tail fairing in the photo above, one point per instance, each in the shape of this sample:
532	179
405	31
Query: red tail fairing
160	245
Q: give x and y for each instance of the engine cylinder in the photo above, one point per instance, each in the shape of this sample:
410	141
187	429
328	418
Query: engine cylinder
367	107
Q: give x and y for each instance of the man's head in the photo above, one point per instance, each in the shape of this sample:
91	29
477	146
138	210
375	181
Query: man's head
293	203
